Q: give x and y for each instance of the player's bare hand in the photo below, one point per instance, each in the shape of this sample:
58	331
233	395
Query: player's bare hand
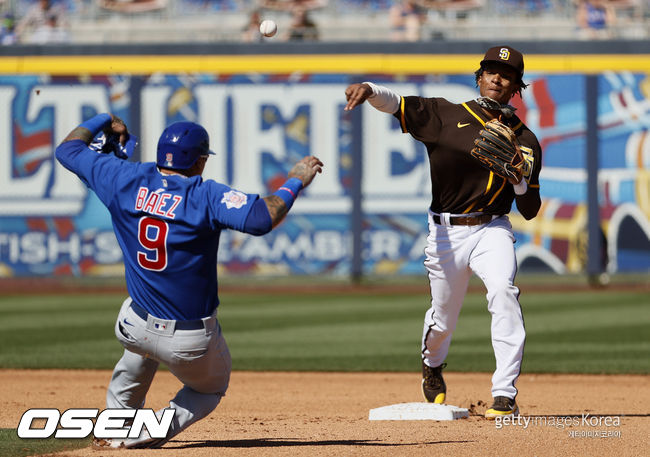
306	169
118	127
356	94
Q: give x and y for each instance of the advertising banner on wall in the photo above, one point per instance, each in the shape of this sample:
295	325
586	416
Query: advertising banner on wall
259	125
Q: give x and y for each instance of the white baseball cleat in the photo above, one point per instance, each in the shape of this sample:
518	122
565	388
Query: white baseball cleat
142	442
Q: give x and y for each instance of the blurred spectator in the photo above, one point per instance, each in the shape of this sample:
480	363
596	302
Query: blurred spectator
529	7
8	30
50	32
538	6
595	19
251	31
406	19
302	28
209	6
368	5
292	5
39	18
458	7
447	12
132	6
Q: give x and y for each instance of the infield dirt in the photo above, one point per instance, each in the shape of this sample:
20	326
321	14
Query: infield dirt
326	414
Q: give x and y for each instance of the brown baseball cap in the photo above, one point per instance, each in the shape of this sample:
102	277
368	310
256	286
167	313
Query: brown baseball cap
505	55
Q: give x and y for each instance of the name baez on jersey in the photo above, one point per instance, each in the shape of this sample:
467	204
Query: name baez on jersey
155	202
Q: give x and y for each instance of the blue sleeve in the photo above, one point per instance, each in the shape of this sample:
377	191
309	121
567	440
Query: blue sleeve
228	207
97	171
258	221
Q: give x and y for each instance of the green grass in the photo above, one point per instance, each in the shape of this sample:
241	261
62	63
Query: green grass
597	331
12	446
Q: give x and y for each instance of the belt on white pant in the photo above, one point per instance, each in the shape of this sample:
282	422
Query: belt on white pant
479	219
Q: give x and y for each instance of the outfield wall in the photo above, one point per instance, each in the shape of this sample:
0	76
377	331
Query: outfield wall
264	111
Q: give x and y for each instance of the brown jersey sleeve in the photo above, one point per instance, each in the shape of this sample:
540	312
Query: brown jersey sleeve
418	116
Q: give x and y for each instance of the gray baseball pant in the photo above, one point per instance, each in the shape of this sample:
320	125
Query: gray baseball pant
199	358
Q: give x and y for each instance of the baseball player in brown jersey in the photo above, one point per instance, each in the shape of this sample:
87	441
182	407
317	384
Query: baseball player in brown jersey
469	230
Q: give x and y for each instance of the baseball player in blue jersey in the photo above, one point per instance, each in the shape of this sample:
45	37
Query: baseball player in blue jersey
167	221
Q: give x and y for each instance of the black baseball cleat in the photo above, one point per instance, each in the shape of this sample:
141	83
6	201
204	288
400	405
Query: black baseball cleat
502	406
433	385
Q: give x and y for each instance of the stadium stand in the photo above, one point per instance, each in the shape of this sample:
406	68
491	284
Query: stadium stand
209	21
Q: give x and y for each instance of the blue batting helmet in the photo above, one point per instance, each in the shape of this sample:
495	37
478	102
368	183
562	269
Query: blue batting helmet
181	144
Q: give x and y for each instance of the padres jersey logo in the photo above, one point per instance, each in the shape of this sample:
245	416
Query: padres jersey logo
504	54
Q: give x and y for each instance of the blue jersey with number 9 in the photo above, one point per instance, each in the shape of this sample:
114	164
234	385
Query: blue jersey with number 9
167	225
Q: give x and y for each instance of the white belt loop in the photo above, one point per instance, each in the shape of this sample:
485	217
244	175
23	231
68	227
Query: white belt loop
210	323
445	219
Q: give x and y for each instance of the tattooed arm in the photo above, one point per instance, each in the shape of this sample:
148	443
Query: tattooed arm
95	170
300	176
87	131
277	209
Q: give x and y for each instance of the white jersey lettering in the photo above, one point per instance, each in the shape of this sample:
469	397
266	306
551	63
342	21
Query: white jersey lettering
151	203
170	212
141	198
155	203
161	203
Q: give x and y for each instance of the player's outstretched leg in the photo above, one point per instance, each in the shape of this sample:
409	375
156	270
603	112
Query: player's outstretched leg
190	406
205	375
132	377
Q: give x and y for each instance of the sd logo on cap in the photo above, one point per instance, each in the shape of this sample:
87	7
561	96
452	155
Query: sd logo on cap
505	55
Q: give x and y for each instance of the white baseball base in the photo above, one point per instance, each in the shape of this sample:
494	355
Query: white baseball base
417	411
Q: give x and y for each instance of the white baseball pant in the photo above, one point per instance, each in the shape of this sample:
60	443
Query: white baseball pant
452	254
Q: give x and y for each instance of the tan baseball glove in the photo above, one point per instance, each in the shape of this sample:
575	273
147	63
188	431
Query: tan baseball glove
497	149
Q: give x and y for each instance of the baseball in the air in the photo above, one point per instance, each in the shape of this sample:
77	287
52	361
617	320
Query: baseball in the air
268	28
